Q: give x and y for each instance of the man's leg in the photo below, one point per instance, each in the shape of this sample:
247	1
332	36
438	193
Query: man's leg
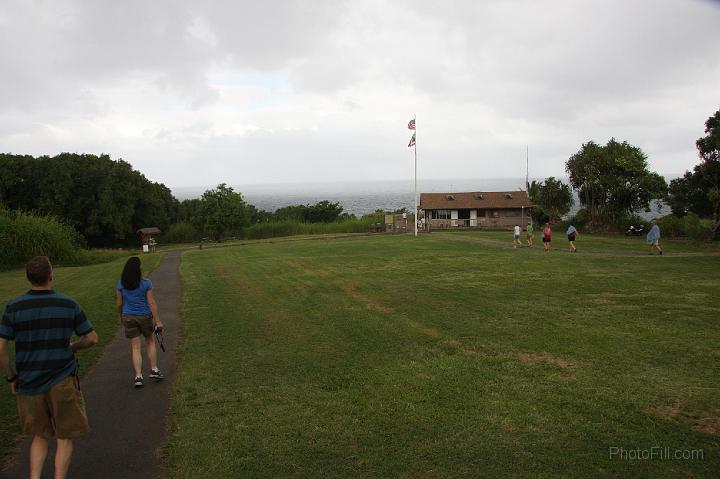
151	351
38	453
62	457
135	344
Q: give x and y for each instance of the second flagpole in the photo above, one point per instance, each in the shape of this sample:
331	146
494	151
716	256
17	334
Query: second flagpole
415	220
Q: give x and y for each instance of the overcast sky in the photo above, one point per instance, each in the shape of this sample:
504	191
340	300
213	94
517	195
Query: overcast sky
275	91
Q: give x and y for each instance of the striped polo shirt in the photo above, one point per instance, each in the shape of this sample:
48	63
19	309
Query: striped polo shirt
41	322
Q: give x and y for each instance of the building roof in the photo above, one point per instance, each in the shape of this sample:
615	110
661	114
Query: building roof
149	231
474	200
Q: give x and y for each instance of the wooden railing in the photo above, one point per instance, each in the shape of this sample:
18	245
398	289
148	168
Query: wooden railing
492	223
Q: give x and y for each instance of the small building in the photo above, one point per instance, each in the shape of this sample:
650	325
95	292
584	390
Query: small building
482	209
148	234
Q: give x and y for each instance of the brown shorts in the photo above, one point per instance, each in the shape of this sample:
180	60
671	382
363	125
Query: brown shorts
58	412
137	325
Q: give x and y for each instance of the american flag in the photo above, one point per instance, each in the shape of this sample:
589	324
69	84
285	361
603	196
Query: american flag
412	140
411	125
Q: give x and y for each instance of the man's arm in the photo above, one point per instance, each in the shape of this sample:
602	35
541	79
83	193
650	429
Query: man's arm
5	363
86	341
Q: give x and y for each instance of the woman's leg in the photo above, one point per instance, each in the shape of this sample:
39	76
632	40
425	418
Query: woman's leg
151	351
135	345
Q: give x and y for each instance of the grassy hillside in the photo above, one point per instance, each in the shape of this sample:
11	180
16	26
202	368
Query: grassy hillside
447	355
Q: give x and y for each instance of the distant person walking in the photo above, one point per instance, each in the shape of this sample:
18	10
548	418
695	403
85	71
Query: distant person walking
49	401
547	237
653	237
139	315
530	235
516	237
572	234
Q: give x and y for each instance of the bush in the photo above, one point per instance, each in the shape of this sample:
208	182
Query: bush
581	218
690	225
624	223
24	235
181	232
672	226
697	229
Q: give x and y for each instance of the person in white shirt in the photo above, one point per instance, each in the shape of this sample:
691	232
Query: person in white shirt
516	240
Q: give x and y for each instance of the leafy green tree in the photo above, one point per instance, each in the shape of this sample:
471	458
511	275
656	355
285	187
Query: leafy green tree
699	191
321	212
223	212
105	200
552	199
613	181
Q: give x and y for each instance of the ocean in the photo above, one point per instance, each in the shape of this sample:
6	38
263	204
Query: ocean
359	198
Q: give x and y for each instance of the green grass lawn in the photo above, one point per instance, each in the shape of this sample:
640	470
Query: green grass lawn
444	356
94	288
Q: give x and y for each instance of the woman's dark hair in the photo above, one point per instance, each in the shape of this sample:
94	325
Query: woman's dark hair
131	274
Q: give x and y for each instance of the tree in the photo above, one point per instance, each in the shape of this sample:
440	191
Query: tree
699	191
223	211
104	199
613	181
321	212
552	199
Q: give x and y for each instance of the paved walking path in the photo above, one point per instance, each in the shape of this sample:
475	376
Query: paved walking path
129	426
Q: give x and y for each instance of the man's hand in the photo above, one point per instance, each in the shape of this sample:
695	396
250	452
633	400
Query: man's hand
89	340
13	388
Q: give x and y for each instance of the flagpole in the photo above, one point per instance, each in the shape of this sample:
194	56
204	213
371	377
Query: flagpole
415	196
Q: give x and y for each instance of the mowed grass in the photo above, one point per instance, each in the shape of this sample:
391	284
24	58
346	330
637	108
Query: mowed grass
443	356
94	288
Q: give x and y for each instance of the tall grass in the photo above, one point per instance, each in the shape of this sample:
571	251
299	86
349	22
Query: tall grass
292	228
24	235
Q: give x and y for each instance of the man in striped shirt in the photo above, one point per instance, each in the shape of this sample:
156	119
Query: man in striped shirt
41	322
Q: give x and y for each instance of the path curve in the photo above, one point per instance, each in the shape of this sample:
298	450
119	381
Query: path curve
129	426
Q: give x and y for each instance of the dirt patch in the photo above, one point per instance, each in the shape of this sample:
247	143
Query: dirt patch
547	358
707	422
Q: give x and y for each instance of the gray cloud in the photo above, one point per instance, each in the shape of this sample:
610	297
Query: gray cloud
294	90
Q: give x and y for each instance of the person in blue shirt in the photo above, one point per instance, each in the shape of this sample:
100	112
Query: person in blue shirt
139	315
42	322
653	237
572	234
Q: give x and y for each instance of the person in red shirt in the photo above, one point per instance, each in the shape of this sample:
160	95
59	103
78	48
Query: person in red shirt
547	237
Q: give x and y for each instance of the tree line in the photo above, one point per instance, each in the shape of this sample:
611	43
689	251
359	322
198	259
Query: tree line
613	183
106	201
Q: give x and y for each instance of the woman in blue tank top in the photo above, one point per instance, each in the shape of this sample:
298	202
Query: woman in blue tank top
139	316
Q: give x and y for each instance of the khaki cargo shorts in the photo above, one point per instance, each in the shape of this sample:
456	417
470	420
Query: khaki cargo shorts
58	412
137	325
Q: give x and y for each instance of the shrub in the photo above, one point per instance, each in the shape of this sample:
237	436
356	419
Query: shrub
181	232
582	218
691	225
672	226
624	223
24	235
697	229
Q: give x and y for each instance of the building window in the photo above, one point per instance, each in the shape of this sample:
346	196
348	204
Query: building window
513	212
481	213
442	215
